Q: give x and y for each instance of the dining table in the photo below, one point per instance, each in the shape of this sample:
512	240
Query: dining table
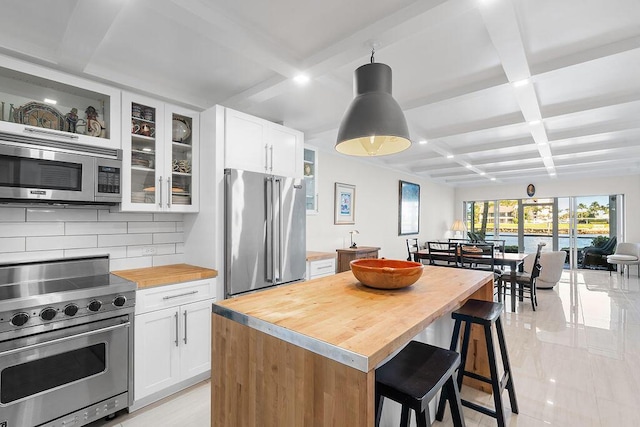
513	260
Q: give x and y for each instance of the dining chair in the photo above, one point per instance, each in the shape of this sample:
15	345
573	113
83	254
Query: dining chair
443	251
526	281
412	246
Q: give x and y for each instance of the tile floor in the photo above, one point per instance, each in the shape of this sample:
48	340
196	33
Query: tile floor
576	362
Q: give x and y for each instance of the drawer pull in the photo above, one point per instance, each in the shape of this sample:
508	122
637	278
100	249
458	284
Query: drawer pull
324	267
179	295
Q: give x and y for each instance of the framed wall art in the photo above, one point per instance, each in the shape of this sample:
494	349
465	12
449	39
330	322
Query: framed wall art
345	204
408	208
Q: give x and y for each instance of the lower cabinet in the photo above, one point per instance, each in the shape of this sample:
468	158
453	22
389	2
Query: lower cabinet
172	345
321	268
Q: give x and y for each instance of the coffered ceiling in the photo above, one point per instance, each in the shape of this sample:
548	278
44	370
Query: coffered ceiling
454	64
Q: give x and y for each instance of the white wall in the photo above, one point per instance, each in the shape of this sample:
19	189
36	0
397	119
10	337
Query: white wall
376	207
36	233
629	186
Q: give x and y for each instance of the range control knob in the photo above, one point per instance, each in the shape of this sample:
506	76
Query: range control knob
19	319
94	305
71	310
119	300
48	313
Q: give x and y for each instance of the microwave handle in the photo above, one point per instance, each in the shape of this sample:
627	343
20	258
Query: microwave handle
160	192
169	189
47	132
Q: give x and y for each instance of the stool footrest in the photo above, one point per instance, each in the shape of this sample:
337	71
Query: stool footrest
477	377
479	408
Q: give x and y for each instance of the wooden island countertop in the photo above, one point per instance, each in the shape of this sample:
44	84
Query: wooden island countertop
308	351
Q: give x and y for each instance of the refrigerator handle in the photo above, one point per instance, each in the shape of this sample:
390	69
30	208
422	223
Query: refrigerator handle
274	248
266	157
280	229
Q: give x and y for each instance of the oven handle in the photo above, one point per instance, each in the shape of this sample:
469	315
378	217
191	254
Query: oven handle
63	339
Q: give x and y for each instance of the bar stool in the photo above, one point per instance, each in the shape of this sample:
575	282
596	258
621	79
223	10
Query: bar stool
483	313
413	377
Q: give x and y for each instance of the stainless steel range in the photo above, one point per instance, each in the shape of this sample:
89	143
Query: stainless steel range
66	342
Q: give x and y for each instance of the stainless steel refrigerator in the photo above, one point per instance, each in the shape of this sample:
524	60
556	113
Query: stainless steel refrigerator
265	231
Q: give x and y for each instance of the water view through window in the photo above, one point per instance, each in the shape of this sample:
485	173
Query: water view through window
523	223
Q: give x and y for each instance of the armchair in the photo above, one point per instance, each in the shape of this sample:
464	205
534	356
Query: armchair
594	255
626	254
552	265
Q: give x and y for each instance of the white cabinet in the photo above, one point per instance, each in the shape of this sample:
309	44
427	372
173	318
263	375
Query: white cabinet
258	145
172	339
160	156
52	105
321	268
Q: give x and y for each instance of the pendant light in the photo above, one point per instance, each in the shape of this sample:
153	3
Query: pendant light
374	124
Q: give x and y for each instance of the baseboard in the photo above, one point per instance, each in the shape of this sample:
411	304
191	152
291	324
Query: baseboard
152	398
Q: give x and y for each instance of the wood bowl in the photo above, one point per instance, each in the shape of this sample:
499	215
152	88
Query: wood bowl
386	273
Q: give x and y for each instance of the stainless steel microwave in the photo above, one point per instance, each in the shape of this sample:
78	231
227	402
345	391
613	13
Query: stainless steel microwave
42	170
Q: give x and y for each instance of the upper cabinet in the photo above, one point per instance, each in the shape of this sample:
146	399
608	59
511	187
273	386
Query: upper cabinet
311	179
160	156
258	145
53	105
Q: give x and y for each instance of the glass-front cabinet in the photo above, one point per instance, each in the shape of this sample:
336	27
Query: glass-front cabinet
160	152
311	179
49	104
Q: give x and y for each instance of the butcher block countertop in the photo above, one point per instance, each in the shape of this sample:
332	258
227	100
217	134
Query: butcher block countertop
166	274
339	318
315	256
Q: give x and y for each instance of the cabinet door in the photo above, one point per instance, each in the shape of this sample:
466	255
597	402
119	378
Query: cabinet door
195	338
144	179
156	354
181	151
244	144
285	151
310	170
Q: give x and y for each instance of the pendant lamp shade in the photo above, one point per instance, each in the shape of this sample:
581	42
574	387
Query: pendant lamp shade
374	124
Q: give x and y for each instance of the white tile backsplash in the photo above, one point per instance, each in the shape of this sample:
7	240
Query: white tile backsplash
21	229
76	228
61	214
12	244
32	234
61	242
152	227
13	215
124	239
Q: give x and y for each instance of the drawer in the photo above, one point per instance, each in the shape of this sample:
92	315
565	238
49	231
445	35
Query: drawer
322	267
369	254
160	297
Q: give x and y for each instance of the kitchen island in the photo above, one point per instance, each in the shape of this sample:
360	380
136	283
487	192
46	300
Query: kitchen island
305	354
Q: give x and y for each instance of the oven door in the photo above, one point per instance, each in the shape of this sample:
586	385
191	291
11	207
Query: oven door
49	375
41	174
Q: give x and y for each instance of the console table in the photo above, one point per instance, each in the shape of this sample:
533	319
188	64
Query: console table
345	256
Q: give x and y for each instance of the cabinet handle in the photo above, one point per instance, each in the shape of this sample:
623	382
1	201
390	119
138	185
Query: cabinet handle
185	326
177	330
46	132
324	267
160	192
169	189
179	295
266	157
271	164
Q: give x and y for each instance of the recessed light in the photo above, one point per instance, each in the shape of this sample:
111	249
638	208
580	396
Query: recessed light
493	179
483	173
520	83
534	122
468	166
449	156
422	141
301	79
50	101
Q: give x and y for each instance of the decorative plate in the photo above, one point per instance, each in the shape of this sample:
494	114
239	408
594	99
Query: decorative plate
180	130
39	115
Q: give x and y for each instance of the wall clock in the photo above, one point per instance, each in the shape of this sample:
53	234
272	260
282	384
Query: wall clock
531	190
